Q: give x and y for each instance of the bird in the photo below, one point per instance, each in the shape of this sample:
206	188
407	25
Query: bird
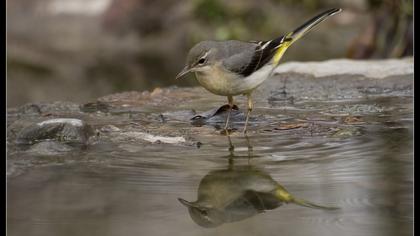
234	67
230	195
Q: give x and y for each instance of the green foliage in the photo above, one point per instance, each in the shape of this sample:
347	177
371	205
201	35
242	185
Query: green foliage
407	7
230	22
210	11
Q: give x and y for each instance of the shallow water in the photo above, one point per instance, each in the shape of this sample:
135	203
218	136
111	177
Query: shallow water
110	190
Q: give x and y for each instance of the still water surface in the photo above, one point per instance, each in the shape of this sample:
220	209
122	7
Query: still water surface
369	176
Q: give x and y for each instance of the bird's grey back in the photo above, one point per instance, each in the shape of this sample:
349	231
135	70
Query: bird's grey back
242	58
238	55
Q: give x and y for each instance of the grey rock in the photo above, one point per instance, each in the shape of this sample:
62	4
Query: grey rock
109	128
347	132
339	80
371	69
29	109
95	107
63	130
59	106
178	115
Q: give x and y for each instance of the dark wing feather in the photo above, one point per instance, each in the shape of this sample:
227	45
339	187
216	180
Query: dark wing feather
261	55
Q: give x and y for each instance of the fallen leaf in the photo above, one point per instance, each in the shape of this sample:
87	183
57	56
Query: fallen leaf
352	120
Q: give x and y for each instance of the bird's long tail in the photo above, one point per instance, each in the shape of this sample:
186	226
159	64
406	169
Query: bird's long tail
284	196
293	36
305	203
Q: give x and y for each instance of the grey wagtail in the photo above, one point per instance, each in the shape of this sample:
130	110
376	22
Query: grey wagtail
230	68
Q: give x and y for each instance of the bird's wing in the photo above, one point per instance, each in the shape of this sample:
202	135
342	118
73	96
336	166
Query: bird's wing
246	58
252	58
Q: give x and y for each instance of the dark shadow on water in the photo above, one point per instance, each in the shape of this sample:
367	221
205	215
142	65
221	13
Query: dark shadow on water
239	192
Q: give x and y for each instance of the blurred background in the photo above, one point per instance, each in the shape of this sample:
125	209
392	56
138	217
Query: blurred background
78	50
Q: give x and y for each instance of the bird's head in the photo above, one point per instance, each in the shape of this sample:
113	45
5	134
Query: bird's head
204	216
200	58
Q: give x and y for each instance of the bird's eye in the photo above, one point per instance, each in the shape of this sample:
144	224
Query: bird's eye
204	212
202	60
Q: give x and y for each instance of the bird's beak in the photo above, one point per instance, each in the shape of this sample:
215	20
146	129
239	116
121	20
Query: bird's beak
184	71
186	203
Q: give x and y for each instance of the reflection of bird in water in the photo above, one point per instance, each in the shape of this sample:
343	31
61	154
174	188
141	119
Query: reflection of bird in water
237	193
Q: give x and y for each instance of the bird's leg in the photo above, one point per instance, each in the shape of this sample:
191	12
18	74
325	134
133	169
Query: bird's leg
231	153
250	149
230	100
250	107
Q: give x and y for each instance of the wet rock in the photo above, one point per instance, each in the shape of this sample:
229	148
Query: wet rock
34	111
110	128
49	148
15	127
62	130
339	79
171	96
136	135
95	107
355	109
347	132
372	69
184	115
29	109
59	107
